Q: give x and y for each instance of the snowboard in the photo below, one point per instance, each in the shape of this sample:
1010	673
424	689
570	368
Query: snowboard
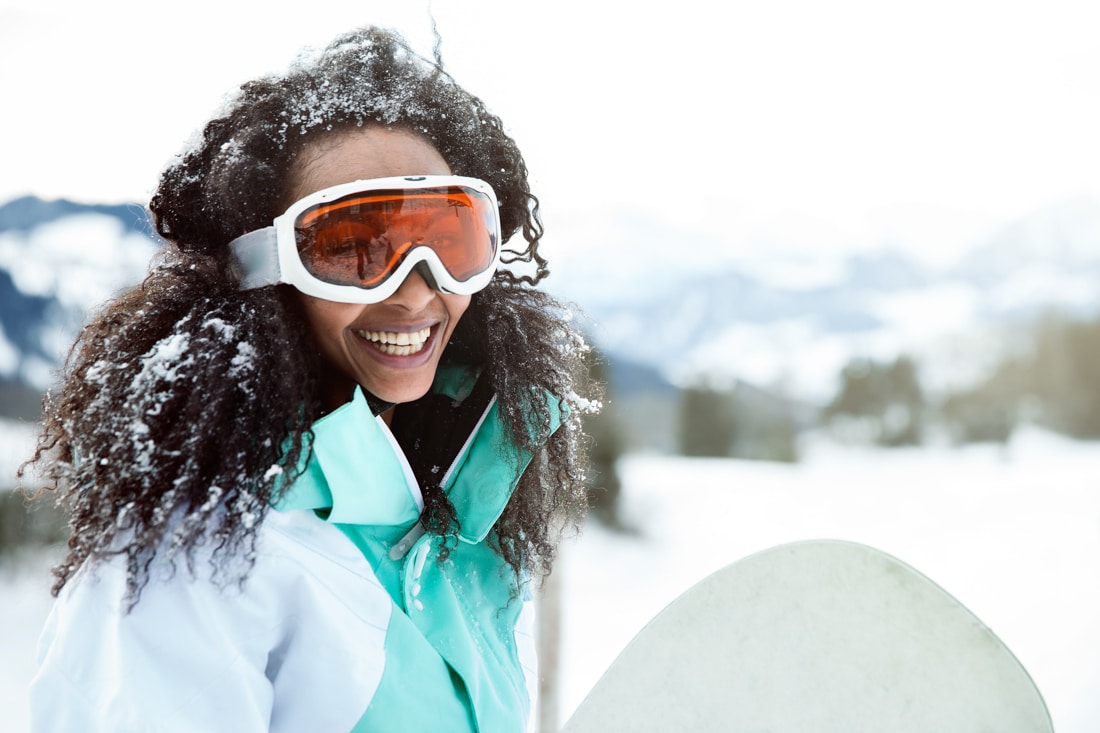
823	637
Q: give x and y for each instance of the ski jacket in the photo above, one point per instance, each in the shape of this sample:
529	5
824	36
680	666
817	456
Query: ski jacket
347	621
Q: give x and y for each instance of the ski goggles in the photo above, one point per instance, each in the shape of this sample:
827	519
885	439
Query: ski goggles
357	242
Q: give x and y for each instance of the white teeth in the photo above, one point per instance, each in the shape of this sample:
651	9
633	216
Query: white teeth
397	343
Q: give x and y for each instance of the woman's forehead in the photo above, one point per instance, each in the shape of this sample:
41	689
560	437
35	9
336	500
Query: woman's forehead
362	154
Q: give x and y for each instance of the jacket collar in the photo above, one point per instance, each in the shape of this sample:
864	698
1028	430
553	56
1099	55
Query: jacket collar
359	473
353	453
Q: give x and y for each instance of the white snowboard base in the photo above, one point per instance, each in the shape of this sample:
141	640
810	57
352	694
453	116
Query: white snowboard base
815	637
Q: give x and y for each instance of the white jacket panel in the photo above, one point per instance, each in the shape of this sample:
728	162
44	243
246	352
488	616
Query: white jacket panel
299	648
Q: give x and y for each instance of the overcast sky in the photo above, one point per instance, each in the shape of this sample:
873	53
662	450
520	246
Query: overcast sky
924	122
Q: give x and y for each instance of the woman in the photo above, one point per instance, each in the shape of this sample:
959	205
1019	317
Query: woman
313	460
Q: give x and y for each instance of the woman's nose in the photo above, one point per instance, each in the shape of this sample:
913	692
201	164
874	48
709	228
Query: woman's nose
415	292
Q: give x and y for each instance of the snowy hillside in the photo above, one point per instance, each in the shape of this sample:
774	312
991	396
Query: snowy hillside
1013	534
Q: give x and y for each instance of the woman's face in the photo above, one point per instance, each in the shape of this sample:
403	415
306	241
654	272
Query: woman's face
390	348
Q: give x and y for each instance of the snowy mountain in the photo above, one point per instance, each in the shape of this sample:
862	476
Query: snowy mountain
788	317
58	261
1050	258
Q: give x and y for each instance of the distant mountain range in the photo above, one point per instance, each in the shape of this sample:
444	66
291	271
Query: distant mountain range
58	261
28	212
731	320
748	319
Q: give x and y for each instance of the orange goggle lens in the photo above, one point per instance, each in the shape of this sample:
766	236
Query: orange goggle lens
362	239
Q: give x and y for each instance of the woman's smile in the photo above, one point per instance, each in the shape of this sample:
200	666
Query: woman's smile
396	343
397	347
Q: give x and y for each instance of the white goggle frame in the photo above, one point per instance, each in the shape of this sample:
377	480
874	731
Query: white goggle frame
269	256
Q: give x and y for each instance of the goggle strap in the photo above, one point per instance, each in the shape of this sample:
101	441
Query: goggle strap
257	258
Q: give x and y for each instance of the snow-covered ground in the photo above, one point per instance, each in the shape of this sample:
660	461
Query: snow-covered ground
1015	535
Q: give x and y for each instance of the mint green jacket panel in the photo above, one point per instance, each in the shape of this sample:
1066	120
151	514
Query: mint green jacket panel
418	690
466	607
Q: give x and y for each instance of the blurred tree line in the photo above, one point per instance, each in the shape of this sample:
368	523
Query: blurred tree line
1055	382
737	422
27	522
1052	380
880	403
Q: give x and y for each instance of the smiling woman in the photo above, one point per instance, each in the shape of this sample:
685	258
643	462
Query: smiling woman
309	485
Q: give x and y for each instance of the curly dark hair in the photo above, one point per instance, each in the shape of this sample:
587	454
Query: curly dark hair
184	400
